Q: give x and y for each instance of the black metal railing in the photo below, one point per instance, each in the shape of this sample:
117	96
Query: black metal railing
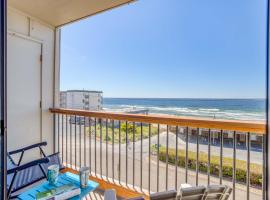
158	153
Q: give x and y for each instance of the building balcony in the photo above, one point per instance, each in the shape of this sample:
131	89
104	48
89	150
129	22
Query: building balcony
133	153
143	154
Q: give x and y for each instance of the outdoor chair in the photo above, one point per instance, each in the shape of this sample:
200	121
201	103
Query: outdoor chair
166	195
20	175
187	192
191	193
215	192
227	194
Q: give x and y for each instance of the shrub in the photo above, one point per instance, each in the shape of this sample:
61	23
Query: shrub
227	169
129	127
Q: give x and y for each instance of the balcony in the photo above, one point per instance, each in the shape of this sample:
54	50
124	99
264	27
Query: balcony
142	154
132	153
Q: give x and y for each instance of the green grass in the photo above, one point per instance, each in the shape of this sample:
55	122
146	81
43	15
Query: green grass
227	169
102	132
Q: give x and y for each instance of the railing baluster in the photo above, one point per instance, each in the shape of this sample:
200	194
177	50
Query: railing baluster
66	140
84	142
264	167
209	157
186	162
58	133
62	136
54	133
234	163
126	152
221	158
100	147
95	146
149	158
133	156
141	156
197	156
75	141
80	140
176	157
113	149
70	127
158	159
167	156
119	151
248	163
90	144
107	149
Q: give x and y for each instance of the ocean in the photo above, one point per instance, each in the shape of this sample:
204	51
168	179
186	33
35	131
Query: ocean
238	109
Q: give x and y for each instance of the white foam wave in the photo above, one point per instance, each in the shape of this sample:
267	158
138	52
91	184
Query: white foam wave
197	112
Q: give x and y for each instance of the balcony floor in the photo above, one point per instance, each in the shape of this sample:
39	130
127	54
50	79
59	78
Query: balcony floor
95	195
98	195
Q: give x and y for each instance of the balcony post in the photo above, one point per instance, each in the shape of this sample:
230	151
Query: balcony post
56	84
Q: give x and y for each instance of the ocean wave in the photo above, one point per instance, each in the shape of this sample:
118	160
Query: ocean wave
209	109
188	111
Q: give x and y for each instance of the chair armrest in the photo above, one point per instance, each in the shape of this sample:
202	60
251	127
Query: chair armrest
28	148
164	195
27	165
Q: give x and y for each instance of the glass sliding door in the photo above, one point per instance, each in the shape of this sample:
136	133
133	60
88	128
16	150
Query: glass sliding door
3	137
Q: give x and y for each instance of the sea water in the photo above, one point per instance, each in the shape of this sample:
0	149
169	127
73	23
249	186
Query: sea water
237	109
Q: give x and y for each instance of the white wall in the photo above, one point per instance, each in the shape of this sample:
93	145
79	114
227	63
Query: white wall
23	24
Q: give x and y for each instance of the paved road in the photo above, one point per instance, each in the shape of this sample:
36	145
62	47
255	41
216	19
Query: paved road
93	153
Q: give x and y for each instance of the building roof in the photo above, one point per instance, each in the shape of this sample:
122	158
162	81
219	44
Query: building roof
60	12
90	91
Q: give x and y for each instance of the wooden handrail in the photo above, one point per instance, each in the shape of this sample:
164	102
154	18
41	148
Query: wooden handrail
231	125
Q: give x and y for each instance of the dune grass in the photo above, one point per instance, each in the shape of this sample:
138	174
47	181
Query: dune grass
102	131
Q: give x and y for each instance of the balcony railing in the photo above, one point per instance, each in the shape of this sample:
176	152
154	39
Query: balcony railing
151	153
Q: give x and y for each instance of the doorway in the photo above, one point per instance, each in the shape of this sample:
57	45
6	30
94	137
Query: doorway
23	91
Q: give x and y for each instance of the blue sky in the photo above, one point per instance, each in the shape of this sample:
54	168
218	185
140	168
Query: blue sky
169	49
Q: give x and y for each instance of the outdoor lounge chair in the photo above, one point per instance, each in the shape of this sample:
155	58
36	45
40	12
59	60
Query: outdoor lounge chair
191	193
215	192
166	195
227	194
20	175
187	192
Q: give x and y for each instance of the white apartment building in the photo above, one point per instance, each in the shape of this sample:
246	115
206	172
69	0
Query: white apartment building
81	99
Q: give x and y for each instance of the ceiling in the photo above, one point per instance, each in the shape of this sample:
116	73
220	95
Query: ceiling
61	12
